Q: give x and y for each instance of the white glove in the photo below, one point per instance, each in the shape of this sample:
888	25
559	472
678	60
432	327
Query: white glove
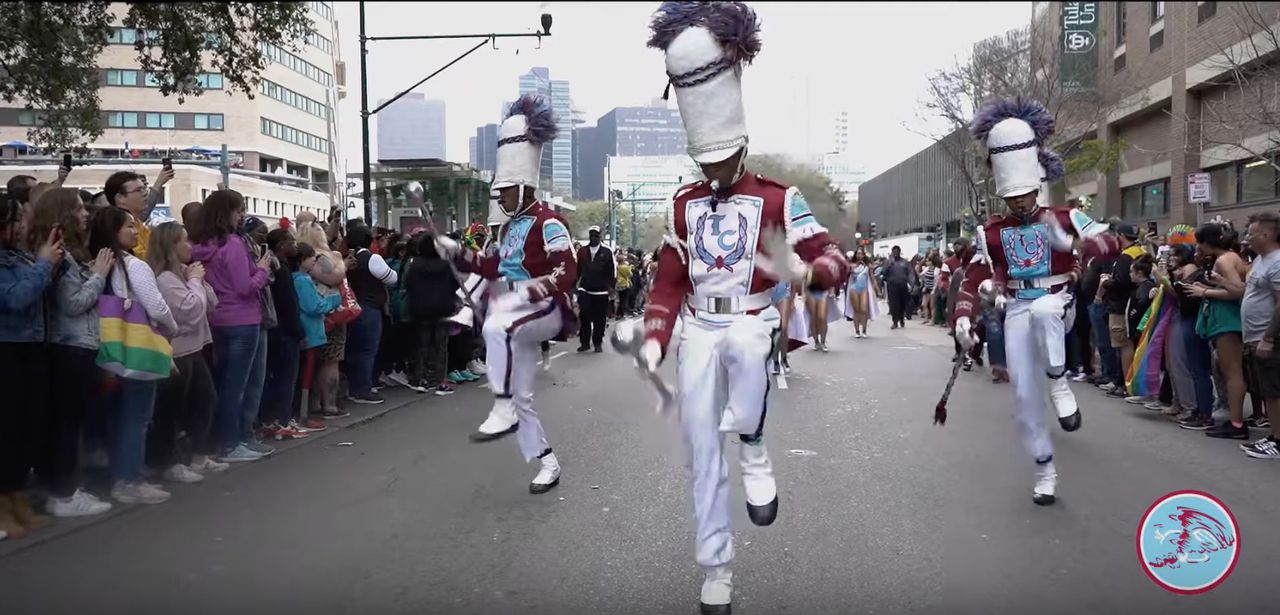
650	356
964	333
448	248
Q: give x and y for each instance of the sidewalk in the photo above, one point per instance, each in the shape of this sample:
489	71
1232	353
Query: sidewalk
397	397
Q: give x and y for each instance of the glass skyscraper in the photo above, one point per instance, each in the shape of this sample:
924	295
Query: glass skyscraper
557	159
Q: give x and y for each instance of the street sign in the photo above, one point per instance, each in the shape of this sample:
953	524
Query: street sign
1199	188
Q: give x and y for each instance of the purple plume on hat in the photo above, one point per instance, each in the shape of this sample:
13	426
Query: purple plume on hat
733	24
1054	168
1025	109
537	112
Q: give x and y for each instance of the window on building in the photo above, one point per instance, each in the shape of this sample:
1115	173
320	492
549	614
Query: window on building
1156	41
1205	11
201	121
26	118
1157	11
113	77
1245	181
215	121
153	120
1120	22
1149	200
1224	184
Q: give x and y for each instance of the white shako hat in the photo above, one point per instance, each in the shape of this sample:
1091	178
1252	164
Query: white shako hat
529	124
706	45
1014	132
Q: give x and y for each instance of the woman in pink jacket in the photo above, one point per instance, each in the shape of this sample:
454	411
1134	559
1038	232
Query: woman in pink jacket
239	342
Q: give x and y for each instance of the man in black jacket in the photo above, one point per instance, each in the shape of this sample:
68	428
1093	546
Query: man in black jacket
1117	289
595	278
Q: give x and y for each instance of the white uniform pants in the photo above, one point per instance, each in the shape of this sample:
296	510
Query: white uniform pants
512	338
1034	337
723	382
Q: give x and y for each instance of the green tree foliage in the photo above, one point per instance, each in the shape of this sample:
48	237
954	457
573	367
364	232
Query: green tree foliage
831	208
49	61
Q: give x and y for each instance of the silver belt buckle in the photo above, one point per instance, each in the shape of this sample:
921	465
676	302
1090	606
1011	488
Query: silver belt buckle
723	305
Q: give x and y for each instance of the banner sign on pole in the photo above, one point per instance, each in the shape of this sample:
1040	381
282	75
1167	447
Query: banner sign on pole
1078	68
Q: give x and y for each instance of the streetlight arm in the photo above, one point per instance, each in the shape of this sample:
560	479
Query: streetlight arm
452	36
424	79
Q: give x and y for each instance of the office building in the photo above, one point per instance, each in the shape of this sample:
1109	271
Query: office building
648	183
485	148
411	128
281	142
1165	72
628	131
918	194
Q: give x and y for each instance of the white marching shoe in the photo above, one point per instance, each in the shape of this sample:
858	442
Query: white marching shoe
501	421
548	476
757	481
1064	403
1046	483
717	591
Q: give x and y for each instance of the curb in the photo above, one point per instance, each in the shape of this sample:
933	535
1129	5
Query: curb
63	528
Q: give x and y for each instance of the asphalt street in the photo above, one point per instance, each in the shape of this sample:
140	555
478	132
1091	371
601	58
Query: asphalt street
881	511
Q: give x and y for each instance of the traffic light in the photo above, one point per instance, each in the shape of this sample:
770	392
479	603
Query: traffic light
873	231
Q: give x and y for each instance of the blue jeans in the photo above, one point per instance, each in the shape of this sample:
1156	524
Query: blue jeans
131	410
1102	341
240	359
283	353
994	323
363	335
1200	365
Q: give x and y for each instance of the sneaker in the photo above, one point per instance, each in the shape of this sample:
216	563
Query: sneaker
138	493
444	389
1244	446
1136	399
179	473
1185	415
289	433
1171	411
1263	449
456	378
258	447
398	378
1156	406
1117	393
334	413
370	399
1221	414
1260	422
267	432
1228	431
477	367
316	424
1196	423
1107	387
468	376
79	504
205	465
1080	377
417	387
239	454
378	385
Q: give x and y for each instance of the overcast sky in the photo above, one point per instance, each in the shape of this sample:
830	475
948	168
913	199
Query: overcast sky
871	59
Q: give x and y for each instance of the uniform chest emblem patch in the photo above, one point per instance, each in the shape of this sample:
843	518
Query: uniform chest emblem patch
1026	249
733	243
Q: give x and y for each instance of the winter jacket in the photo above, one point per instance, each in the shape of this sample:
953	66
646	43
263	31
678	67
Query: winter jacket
237	280
23	280
285	302
191	302
432	289
312	308
72	306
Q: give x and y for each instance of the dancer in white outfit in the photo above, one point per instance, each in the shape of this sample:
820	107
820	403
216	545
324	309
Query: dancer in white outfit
707	275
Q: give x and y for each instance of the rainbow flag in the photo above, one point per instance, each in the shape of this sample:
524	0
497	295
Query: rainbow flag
1143	375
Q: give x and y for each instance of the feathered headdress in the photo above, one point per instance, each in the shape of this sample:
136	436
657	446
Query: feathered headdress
733	24
706	46
1035	115
540	121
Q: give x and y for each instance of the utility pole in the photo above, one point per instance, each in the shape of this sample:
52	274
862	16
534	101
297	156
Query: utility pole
364	119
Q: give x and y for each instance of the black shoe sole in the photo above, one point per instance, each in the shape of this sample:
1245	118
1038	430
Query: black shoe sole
714	609
490	437
1043	500
763	515
1071	423
1228	436
536	489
